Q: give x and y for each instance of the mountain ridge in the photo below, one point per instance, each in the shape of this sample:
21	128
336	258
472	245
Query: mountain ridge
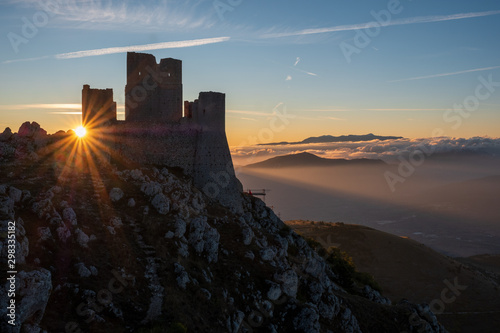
306	159
331	138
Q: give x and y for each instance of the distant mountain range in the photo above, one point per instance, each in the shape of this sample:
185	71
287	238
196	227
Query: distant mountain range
331	138
309	160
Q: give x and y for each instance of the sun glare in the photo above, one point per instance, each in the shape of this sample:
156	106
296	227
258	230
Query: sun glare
80	131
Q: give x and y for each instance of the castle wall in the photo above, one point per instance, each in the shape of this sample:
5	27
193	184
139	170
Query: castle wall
209	111
148	144
155	132
153	91
98	107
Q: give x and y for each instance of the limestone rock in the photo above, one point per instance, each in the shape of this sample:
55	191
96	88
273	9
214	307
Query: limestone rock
307	321
15	194
82	238
69	216
204	238
289	282
182	276
33	292
116	222
82	270
31	130
63	233
161	203
116	194
274	291
180	228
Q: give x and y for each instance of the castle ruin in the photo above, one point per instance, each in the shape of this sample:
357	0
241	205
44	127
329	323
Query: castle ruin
156	130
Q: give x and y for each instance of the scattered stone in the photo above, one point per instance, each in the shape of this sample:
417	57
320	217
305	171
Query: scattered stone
82	238
180	228
161	204
63	233
182	276
69	216
115	194
15	194
274	291
116	222
82	270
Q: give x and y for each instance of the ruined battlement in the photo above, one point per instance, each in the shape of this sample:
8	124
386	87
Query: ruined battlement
153	91
155	131
98	107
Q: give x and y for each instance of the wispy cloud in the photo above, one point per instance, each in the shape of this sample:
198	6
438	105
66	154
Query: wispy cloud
133	48
327	110
297	61
41	106
333	118
156	15
403	21
446	74
251	113
65	112
398	109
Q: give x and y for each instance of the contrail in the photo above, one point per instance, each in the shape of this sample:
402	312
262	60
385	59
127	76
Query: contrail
404	21
133	48
446	74
146	47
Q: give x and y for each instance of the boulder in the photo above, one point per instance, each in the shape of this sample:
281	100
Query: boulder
115	194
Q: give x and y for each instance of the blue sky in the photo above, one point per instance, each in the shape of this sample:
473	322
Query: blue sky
268	56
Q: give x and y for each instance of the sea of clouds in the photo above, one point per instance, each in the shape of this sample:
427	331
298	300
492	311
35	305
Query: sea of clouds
388	150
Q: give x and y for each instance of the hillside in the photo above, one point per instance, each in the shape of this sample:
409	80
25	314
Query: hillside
310	160
406	269
331	138
102	248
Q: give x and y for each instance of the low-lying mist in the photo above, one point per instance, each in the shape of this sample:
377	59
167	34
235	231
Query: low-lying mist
450	202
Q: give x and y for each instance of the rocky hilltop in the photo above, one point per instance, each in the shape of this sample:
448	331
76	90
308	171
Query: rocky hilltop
130	248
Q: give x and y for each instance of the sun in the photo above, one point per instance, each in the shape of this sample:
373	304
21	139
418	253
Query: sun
80	131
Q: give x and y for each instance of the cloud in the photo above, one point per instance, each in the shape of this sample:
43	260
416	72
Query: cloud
40	106
327	110
146	47
447	74
133	48
396	109
297	61
251	113
388	150
308	73
404	21
288	78
157	15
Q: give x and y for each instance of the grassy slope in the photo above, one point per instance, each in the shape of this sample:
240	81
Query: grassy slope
407	269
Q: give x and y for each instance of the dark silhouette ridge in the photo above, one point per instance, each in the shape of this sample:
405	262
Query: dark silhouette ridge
331	138
310	160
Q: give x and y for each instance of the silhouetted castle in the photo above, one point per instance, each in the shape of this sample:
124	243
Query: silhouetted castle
155	130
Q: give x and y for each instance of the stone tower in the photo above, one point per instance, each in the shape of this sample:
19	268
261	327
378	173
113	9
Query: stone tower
154	91
98	107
